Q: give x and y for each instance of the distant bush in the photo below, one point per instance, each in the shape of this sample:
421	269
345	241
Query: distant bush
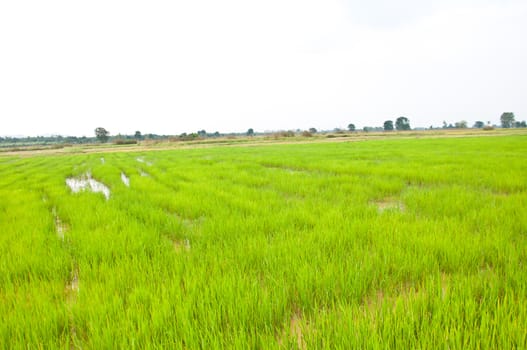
283	133
187	137
306	134
124	142
488	127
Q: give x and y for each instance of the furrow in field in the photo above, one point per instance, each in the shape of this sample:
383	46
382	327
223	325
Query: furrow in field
71	291
60	226
72	286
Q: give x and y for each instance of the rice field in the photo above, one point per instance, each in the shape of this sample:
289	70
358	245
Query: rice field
381	244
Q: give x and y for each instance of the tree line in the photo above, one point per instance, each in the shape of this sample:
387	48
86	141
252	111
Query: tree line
507	120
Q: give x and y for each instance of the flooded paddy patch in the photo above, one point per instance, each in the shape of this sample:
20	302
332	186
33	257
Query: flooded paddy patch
125	179
142	160
86	182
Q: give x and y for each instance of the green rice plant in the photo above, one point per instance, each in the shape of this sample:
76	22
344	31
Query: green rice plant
388	243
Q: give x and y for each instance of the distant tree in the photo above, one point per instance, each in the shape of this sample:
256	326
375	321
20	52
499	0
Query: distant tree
388	125
445	125
523	124
202	133
479	124
102	134
313	130
138	135
402	123
507	120
461	124
250	132
217	134
351	127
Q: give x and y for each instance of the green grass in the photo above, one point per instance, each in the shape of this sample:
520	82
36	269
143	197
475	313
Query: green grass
378	244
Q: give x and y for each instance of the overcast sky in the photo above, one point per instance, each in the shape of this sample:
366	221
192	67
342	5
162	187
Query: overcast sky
169	67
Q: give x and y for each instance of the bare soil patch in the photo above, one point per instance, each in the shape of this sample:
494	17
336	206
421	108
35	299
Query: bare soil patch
295	330
388	203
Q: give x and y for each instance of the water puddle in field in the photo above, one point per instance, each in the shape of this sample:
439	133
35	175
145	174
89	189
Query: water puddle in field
60	227
86	182
388	204
125	179
143	174
142	160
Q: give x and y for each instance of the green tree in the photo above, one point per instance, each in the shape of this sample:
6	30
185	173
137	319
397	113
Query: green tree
202	133
402	123
507	120
351	127
313	130
138	135
479	124
461	125
102	134
388	125
250	132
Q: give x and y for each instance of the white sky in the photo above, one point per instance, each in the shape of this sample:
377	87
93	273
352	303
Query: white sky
167	67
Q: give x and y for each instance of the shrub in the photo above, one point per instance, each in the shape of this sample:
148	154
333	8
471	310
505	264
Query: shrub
125	142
